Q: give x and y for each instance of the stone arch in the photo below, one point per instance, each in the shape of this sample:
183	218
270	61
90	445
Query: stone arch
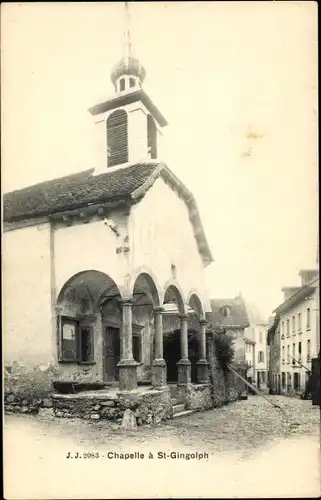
172	292
145	280
196	303
94	284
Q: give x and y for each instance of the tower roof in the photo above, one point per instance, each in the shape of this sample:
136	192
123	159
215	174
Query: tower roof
128	65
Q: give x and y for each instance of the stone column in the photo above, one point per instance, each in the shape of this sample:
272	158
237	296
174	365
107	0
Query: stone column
202	363
184	364
159	364
127	365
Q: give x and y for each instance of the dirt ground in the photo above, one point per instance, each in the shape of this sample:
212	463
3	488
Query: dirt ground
247	448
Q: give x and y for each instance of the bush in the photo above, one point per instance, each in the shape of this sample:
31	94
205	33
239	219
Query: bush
224	347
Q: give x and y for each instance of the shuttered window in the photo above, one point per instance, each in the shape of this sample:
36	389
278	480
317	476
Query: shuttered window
76	341
117	138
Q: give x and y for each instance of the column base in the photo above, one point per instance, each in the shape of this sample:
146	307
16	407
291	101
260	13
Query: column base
159	373
184	371
202	371
127	374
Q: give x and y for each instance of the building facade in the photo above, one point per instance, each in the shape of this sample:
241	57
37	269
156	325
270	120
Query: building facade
273	342
299	331
231	315
104	266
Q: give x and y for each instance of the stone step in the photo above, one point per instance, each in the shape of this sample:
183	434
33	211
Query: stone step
178	408
184	413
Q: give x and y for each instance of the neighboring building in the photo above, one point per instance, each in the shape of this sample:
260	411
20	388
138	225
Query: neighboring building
91	260
257	333
231	314
273	341
299	331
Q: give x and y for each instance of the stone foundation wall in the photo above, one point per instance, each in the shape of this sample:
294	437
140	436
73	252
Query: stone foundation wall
196	396
150	406
26	389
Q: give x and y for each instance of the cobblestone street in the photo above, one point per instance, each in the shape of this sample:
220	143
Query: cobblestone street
248	444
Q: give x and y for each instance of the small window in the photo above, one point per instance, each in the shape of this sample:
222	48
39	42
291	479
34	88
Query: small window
132	82
288	326
261	337
225	311
308	350
293	324
122	84
308	318
299	322
137	351
299	348
261	357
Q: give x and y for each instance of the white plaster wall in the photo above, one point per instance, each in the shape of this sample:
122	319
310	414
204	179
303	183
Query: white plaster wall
27	319
311	334
91	246
160	234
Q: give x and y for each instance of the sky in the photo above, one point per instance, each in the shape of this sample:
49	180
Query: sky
237	82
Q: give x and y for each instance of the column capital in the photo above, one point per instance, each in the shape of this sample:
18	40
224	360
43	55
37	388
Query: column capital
158	310
203	321
126	302
183	317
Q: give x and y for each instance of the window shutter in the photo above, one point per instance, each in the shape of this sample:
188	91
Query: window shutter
69	334
86	344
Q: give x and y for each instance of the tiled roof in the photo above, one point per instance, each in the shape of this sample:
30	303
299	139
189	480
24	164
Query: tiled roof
73	191
238	317
84	189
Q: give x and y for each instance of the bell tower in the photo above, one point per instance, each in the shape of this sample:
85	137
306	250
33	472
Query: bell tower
128	125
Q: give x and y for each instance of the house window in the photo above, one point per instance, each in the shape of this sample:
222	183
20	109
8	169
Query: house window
299	322
260	357
308	350
151	137
293	324
283	380
293	353
261	338
308	318
288	327
137	348
283	351
131	82
76	341
122	84
282	328
296	381
225	311
299	348
288	353
263	377
117	138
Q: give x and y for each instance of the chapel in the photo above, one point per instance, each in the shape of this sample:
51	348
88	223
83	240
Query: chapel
106	266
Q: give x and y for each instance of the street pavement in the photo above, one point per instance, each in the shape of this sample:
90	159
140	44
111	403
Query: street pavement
244	449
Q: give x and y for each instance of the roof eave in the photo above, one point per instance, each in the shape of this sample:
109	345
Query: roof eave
295	298
124	98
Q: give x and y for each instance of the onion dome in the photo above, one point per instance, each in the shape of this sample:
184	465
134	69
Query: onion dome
128	66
